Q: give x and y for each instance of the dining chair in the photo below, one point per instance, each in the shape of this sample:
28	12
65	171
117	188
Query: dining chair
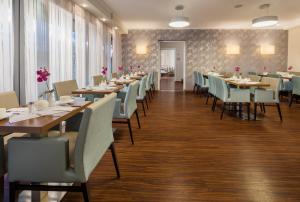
212	91
98	80
141	97
148	88
296	89
153	81
124	111
204	85
232	95
8	100
195	75
69	158
269	95
65	88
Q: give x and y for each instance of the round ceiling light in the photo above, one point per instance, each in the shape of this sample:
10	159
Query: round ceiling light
265	21
179	22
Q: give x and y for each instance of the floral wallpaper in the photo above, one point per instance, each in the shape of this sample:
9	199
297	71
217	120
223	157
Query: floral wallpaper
206	49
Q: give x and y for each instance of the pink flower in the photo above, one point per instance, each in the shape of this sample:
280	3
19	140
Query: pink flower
120	69
237	69
42	74
104	71
290	68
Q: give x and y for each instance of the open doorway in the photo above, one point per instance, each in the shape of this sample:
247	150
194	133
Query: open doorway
172	65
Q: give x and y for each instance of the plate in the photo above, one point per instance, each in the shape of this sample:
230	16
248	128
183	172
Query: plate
4	117
65	102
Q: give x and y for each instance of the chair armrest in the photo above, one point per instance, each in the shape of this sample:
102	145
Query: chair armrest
38	159
117	110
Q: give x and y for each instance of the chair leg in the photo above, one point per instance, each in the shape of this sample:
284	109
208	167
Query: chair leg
130	131
279	111
138	119
84	192
194	89
223	110
12	192
215	103
207	99
248	111
146	102
291	100
148	95
114	156
144	108
255	111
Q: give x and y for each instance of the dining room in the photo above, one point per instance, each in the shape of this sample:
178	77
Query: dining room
149	100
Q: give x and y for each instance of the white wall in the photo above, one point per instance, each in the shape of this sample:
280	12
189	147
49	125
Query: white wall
179	46
294	48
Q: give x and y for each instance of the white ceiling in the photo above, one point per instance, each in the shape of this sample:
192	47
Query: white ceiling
203	14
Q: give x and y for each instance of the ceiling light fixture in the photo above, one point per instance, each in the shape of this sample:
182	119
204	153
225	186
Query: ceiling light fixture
179	21
265	21
103	19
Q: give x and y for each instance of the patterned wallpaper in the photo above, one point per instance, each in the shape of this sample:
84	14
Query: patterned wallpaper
206	49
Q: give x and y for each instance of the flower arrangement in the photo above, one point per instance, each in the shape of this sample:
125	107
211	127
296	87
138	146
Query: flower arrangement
43	76
237	69
290	68
120	69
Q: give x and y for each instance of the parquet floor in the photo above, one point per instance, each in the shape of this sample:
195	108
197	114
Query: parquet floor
185	153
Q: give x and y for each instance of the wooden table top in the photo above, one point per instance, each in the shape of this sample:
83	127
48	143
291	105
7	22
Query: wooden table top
247	84
39	125
122	82
98	91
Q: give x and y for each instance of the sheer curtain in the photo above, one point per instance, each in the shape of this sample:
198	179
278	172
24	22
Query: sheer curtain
117	51
167	59
30	49
80	44
60	40
95	47
107	47
6	46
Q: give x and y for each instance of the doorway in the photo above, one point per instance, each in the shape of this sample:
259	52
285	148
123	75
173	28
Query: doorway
172	65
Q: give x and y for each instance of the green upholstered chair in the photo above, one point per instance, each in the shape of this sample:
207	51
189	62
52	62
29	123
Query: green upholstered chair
148	88
296	89
124	111
195	76
8	100
141	97
268	95
231	95
69	158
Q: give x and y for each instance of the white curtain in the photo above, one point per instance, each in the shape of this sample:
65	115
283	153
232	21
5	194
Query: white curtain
80	44
30	49
117	51
107	48
167	59
60	42
6	46
95	48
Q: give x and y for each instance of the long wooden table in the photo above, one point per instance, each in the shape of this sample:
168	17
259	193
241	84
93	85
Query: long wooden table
39	125
247	84
97	91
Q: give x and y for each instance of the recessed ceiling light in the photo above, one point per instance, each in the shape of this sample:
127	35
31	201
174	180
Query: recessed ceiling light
103	19
116	28
84	5
238	6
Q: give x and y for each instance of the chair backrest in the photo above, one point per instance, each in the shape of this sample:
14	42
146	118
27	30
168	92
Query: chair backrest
148	82
275	84
98	79
152	77
94	137
296	85
221	89
9	100
199	78
142	88
130	100
63	88
195	77
212	86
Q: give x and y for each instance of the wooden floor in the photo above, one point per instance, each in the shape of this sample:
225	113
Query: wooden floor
169	84
185	153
